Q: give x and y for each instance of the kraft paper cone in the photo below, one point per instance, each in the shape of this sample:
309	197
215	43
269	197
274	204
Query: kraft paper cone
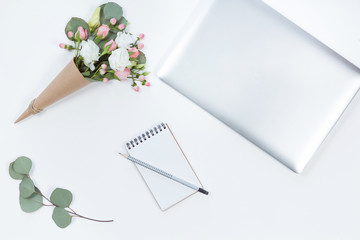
66	82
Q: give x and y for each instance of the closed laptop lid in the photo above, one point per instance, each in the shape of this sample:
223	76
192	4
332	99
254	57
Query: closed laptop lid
263	76
333	22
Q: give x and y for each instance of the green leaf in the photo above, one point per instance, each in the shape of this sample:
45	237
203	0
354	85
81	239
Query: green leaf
112	10
26	187
31	204
145	73
139	66
141	58
86	74
22	165
110	76
13	174
61	217
61	197
73	25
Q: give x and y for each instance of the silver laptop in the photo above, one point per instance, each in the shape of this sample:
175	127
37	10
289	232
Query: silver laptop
333	22
263	76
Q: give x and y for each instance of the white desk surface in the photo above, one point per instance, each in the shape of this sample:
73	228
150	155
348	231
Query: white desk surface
74	145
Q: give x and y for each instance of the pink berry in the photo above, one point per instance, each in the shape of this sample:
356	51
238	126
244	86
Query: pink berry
136	88
142	78
121	26
62	45
140	46
103	66
141	36
113	21
105	80
70	34
147	84
102	71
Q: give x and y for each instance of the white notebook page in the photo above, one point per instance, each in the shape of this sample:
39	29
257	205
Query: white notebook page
162	151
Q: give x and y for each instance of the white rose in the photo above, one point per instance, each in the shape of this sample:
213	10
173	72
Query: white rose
90	52
123	40
119	59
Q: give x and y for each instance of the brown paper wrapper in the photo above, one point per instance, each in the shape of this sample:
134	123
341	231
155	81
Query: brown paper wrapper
69	80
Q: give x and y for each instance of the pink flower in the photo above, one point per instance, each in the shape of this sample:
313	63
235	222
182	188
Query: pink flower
70	34
113	21
142	78
105	80
121	26
135	52
136	88
147	84
103	31
103	66
141	36
112	44
62	45
102	71
82	33
123	75
140	46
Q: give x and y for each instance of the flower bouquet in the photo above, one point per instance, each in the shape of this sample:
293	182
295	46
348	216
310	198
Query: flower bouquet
104	51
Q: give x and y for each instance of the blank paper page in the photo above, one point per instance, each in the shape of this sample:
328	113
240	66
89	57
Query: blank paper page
162	151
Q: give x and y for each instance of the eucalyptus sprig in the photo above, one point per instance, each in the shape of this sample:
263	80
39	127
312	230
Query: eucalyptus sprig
31	198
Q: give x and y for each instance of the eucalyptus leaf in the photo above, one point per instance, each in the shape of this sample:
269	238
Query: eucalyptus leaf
13	174
22	165
146	73
61	197
61	217
73	25
112	10
31	204
26	187
141	58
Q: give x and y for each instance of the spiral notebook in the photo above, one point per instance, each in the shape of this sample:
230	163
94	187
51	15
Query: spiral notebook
159	147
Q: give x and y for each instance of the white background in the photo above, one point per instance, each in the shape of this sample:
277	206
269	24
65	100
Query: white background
74	145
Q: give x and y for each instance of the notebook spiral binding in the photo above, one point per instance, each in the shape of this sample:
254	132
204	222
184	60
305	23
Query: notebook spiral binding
146	135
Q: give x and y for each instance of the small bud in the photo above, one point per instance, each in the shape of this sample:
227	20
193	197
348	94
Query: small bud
136	88
103	66
142	78
105	80
70	34
140	46
141	36
113	21
121	26
102	71
147	84
62	45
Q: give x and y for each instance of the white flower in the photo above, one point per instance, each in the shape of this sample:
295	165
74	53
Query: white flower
123	40
119	59
90	52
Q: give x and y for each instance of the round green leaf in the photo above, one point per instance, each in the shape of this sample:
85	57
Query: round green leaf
73	25
31	204
141	58
61	217
13	174
61	197
26	187
22	165
112	10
